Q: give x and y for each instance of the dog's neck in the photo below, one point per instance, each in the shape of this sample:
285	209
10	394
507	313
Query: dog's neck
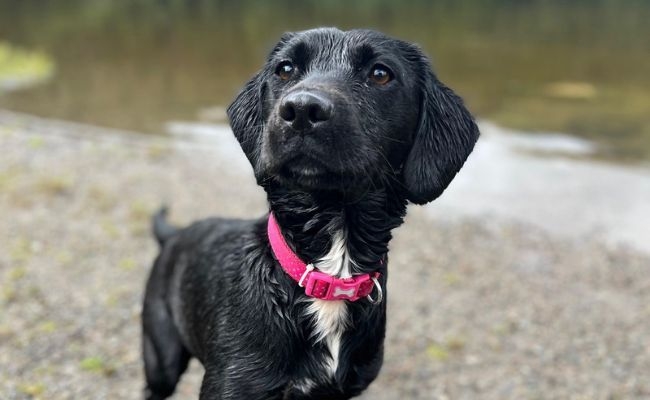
325	229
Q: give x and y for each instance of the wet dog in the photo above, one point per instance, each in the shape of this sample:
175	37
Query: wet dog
342	130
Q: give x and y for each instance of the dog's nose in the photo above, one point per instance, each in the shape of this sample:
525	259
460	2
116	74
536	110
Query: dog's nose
304	110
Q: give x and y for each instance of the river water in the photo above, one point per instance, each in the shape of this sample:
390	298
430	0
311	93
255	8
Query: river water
579	67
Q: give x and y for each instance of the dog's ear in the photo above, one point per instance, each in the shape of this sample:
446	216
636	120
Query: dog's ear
444	138
245	115
246	112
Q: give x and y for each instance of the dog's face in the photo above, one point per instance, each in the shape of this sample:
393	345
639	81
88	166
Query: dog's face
348	111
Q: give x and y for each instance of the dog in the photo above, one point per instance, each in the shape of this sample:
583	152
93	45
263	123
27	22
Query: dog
343	129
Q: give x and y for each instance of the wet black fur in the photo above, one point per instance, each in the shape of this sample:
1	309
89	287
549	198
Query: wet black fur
216	293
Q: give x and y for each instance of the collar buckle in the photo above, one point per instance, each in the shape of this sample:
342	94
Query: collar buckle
326	287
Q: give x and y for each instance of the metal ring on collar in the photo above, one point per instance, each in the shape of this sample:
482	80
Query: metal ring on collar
380	293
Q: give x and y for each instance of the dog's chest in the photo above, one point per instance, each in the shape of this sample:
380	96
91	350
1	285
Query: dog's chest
330	318
326	330
329	326
330	321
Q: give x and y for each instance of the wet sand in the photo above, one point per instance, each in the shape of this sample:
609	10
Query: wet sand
483	304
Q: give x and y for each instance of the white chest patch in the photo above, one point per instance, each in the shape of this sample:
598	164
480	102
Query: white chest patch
331	317
330	321
337	261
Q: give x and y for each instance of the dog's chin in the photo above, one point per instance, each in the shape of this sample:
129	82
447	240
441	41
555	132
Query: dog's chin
307	174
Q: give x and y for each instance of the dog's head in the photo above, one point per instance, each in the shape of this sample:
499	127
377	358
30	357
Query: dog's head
347	111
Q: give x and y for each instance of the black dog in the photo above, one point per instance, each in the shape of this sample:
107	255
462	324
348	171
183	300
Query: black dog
342	130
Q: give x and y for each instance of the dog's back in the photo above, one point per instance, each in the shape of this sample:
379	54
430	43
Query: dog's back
171	320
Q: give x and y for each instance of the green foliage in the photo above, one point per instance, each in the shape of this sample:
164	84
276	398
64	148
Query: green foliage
19	66
34	390
96	365
437	352
444	351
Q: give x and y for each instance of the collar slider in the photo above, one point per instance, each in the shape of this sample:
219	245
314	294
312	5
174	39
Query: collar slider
308	269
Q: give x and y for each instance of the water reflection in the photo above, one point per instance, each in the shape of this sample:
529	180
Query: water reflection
578	67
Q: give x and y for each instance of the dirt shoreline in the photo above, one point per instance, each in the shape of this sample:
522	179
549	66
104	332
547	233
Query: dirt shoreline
479	308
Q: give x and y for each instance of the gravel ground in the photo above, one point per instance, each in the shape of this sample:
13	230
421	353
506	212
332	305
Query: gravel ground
478	309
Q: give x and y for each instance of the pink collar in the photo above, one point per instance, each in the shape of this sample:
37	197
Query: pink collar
318	284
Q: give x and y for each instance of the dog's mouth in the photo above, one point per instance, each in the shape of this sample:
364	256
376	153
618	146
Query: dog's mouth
303	167
309	173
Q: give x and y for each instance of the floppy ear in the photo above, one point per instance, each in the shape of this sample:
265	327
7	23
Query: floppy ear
245	115
246	112
445	137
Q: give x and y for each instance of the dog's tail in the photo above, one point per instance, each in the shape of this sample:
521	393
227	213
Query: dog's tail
162	230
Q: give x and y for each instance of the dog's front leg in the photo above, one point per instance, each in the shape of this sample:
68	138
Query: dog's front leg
239	384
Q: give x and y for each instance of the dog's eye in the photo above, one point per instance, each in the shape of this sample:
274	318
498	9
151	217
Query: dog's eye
284	70
380	74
